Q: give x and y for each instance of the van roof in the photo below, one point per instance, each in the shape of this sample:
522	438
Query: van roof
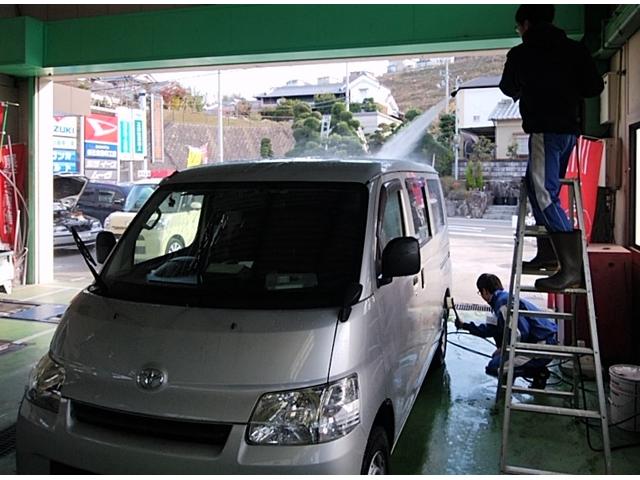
299	169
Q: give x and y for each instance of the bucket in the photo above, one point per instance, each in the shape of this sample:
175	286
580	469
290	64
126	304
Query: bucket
625	396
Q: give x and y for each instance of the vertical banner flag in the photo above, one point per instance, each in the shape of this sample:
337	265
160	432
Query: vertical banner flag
132	127
586	166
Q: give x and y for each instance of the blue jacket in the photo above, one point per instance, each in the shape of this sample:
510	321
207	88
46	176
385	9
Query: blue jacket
531	329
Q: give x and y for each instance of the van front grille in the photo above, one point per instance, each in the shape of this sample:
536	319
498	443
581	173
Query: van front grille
156	427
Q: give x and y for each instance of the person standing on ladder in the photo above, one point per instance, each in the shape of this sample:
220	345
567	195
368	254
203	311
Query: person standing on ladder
530	330
550	74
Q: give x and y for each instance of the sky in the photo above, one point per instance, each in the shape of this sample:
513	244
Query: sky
256	80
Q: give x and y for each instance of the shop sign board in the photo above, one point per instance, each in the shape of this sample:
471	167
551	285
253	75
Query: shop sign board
65	127
132	128
101	128
100	150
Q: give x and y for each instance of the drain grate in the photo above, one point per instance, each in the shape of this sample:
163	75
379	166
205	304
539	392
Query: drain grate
473	307
7	440
7	346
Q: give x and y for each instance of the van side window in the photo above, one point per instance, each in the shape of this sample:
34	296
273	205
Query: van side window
106	196
419	212
435	203
390	224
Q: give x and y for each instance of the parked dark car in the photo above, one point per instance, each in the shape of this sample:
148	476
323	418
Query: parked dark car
98	200
82	204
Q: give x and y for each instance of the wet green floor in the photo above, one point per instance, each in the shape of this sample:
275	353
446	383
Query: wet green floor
451	430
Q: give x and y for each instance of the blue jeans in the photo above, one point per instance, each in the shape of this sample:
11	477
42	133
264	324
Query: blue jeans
548	160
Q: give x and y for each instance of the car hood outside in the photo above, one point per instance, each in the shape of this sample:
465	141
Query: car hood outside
67	190
216	362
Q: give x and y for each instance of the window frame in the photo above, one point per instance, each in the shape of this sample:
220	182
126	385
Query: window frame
634	190
425	201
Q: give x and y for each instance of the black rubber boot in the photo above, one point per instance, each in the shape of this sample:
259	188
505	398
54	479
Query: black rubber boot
540	379
545	260
568	246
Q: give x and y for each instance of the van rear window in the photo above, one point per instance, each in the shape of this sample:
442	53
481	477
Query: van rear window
259	245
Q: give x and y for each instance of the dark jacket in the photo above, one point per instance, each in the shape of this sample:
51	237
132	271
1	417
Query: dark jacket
550	74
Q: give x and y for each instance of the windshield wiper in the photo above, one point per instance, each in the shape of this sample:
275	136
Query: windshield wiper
88	258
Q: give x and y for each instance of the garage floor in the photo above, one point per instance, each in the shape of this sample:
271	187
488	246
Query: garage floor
451	430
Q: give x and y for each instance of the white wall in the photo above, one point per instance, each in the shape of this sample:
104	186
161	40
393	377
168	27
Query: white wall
369	121
477	102
505	134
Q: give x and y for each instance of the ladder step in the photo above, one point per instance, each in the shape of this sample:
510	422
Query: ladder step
567	412
546	314
553	349
528	471
567	291
568	181
556	393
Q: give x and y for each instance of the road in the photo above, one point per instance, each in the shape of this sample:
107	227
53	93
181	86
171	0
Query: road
477	246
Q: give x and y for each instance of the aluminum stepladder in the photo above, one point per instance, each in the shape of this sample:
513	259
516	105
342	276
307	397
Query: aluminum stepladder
512	346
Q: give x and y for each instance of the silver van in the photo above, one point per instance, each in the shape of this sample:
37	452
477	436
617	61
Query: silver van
290	334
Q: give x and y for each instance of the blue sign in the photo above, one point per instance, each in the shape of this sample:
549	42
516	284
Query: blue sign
65	167
100	150
65	155
65	161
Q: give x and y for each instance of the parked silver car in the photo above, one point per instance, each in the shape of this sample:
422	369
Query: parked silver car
290	334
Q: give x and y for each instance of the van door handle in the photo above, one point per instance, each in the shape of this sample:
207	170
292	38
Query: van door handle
422	276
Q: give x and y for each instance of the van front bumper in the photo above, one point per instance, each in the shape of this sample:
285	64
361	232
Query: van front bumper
54	443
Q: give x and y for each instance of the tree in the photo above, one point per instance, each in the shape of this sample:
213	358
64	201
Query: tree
483	150
243	108
412	113
323	102
443	156
265	148
369	105
512	150
446	129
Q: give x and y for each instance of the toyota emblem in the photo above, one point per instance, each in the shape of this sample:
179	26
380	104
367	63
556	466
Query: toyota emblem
150	378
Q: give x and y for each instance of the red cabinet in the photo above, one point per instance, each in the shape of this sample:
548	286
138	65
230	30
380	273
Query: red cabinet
611	276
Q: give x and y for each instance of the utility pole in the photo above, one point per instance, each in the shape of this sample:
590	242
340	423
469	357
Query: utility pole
346	93
220	140
446	84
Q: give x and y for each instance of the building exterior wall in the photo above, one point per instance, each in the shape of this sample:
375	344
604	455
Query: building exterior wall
506	133
474	105
369	121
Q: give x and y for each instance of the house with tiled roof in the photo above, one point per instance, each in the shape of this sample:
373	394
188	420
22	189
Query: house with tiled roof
361	85
508	130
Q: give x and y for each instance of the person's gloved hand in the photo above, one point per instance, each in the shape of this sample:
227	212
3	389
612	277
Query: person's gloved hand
459	324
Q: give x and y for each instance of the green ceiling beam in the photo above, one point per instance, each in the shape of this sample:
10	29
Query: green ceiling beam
218	35
21	46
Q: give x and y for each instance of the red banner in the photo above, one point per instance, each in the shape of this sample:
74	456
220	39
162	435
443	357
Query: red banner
101	128
587	168
13	171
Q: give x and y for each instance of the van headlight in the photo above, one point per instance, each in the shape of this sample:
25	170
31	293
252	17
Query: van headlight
311	415
45	382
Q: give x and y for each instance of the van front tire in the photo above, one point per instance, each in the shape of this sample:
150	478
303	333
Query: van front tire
376	455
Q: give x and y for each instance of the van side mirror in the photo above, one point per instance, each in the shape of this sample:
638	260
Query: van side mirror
400	258
105	241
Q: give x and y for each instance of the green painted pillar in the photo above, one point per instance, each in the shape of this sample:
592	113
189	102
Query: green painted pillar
31	181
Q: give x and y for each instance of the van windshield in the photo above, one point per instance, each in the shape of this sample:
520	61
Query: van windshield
137	196
239	245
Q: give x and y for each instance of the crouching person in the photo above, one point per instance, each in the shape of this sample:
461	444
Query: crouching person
530	330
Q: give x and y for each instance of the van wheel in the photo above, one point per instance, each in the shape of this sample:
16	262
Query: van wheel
441	352
174	244
376	455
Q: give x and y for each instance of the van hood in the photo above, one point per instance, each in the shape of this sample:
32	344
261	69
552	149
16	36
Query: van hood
216	363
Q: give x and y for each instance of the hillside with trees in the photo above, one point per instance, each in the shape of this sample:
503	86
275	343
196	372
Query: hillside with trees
424	88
